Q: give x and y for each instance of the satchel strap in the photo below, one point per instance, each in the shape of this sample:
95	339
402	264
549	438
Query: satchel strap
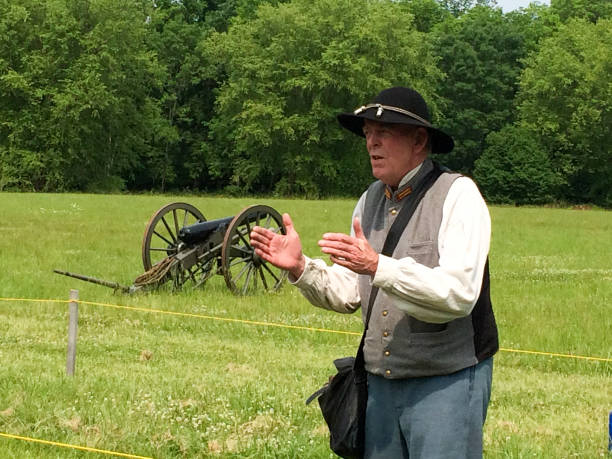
393	237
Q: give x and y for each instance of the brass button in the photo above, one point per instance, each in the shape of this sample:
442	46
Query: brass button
385	312
387	353
388	372
385	334
393	211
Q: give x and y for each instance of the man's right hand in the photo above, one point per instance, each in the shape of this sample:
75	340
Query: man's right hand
282	250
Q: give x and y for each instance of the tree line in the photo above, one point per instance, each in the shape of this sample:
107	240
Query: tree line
240	96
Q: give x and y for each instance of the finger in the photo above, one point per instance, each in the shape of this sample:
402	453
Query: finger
259	235
340	261
336	245
341	237
336	252
288	223
263	252
357	229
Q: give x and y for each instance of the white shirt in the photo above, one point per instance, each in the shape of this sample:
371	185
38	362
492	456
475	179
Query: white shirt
438	294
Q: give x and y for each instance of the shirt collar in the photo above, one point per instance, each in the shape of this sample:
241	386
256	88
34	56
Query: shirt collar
406	183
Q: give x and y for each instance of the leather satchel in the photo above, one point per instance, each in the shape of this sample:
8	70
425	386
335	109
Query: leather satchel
343	400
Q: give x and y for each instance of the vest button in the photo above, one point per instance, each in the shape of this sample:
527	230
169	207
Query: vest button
387	353
393	211
385	334
385	313
388	372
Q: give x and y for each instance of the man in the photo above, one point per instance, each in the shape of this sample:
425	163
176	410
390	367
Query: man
432	334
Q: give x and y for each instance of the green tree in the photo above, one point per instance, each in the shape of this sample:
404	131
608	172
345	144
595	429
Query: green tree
459	7
289	72
175	30
427	13
481	54
515	168
591	10
76	110
566	98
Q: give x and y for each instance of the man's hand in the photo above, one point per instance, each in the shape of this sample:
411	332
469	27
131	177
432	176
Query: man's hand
282	250
355	253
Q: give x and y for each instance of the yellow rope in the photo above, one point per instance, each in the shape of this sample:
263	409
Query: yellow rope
224	319
65	445
31	300
552	354
280	325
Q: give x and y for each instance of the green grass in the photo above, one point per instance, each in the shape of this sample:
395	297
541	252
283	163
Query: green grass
172	386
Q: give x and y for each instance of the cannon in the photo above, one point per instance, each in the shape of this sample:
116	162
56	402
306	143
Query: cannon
180	246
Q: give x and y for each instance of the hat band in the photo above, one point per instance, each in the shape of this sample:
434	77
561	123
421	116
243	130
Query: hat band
381	108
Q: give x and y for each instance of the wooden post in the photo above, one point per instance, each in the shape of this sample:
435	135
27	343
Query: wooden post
73	309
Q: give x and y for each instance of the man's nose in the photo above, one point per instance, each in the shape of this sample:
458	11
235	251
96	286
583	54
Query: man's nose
372	140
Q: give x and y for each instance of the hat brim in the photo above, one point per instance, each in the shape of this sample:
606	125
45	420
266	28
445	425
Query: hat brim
440	141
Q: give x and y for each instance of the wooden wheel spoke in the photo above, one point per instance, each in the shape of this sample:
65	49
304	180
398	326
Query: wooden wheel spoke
272	273
163	219
192	275
236	261
240	235
175	218
245	251
244	269
161	249
245	287
163	238
263	278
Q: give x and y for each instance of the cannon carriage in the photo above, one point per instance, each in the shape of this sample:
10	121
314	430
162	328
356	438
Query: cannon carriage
182	247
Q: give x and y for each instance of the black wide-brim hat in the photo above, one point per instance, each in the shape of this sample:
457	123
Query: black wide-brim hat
398	105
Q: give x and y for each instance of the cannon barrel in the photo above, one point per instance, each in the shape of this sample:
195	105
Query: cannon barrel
200	232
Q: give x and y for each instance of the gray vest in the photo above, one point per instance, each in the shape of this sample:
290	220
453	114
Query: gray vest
396	344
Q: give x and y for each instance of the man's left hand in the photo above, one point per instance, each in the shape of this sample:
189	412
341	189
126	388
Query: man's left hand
355	253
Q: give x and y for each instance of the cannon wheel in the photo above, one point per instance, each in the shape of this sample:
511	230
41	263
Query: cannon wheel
161	239
243	269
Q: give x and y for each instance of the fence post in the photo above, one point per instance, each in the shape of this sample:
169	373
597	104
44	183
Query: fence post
73	310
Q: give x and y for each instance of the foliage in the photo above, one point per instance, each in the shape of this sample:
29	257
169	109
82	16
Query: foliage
75	93
427	13
591	10
515	168
241	95
480	54
289	72
566	99
459	7
175	31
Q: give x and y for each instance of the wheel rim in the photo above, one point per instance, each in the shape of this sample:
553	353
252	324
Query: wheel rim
161	240
244	271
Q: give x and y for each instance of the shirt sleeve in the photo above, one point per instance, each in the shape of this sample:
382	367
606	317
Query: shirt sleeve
451	289
331	287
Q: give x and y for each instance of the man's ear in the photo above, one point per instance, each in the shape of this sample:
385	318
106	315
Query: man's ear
421	138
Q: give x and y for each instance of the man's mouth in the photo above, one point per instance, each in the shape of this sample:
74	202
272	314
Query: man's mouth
376	157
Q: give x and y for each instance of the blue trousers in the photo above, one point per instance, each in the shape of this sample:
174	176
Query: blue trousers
428	418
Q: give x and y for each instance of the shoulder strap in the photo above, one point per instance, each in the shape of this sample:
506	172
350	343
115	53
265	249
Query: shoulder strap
393	237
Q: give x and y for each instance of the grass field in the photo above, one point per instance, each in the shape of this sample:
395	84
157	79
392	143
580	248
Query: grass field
165	386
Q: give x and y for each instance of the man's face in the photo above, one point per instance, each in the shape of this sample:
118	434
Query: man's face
394	149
